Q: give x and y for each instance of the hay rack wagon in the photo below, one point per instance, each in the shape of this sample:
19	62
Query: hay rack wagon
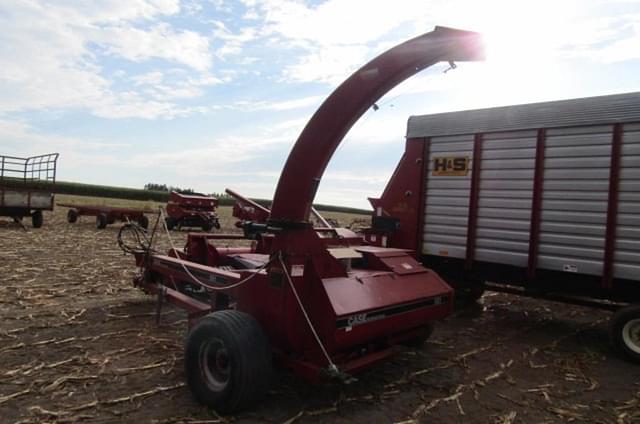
27	186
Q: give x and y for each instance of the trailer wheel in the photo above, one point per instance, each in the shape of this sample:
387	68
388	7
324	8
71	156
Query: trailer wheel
72	216
37	219
624	331
111	219
171	223
143	221
101	221
228	361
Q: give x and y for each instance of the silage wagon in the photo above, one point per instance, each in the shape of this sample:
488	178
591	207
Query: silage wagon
538	199
27	186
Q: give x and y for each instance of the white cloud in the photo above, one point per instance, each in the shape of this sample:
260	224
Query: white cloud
336	22
337	35
248	105
51	56
232	43
160	41
20	139
329	65
153	77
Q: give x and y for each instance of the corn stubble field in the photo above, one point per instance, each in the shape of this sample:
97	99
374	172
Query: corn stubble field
79	344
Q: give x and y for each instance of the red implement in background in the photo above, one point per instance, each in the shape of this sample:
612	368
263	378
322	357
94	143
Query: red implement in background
319	301
192	210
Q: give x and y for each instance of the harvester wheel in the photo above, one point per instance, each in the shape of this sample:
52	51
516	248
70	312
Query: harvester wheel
72	216
171	223
624	332
143	221
419	341
37	219
228	361
101	221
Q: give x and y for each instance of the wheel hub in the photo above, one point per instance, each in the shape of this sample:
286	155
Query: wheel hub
631	335
215	364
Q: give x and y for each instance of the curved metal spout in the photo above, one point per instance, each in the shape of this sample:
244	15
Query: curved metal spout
320	138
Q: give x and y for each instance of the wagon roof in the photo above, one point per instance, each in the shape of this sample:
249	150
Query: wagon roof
563	113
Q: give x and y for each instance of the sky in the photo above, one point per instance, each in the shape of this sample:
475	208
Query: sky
213	94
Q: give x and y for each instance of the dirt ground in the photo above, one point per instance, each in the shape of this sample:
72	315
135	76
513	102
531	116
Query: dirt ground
79	344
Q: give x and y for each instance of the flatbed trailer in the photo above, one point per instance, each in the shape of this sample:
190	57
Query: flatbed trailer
106	215
21	190
538	199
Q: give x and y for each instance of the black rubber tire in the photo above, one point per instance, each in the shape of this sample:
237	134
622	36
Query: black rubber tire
469	292
37	219
72	216
171	223
419	341
111	219
624	332
240	372
101	221
207	226
143	221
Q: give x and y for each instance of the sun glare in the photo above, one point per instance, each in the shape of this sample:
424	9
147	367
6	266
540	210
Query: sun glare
523	42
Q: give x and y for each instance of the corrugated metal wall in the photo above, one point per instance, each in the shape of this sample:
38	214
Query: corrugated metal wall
627	257
506	192
447	201
575	193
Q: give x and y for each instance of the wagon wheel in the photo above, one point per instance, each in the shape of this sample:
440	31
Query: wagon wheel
37	219
72	216
228	361
468	291
624	331
101	221
207	225
143	221
171	223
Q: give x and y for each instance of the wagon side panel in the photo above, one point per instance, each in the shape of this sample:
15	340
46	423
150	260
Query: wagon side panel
627	243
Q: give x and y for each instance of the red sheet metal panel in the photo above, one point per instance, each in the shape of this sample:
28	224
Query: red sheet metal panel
612	210
402	198
473	202
536	205
375	290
